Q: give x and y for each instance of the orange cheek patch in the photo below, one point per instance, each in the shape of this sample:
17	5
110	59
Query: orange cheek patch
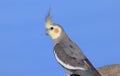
56	30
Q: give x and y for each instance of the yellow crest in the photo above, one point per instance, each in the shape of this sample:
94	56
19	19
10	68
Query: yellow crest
48	20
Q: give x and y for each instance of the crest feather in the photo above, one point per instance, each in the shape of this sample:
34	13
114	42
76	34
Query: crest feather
48	20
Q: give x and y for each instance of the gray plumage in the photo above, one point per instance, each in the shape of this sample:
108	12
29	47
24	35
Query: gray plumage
67	53
70	53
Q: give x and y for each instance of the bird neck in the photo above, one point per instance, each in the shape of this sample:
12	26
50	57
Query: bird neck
62	37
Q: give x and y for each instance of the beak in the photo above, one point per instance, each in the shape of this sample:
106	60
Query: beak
46	31
48	20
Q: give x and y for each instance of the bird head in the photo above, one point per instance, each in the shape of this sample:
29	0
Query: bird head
52	29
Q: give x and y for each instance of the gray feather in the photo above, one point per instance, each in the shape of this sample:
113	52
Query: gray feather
70	53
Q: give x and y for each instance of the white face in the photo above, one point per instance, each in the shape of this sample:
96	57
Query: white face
54	31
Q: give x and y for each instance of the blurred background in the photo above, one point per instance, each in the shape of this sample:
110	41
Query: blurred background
25	50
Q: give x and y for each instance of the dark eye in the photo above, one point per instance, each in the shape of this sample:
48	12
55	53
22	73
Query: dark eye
51	28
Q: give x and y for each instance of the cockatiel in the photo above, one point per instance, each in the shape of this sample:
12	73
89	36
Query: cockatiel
67	53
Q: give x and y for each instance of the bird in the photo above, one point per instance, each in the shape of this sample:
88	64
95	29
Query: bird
66	52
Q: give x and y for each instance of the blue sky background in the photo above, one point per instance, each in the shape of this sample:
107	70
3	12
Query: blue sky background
25	50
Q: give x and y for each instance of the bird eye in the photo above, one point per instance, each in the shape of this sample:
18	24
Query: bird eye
51	28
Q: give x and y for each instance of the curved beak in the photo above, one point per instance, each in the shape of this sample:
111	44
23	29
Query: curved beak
46	32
